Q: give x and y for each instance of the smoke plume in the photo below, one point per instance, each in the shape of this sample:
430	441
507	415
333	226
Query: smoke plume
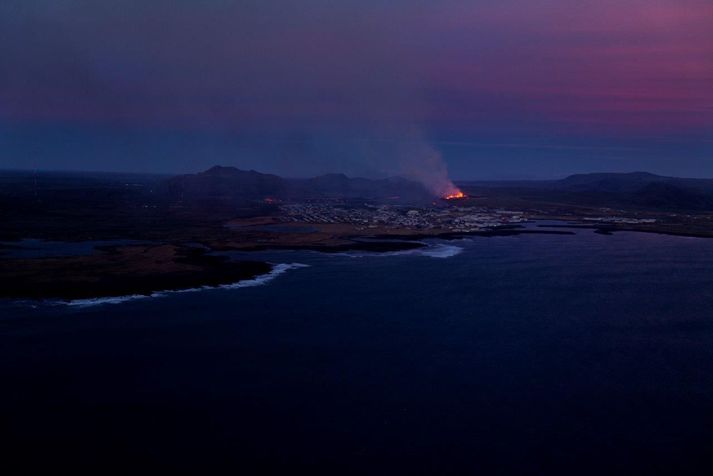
422	163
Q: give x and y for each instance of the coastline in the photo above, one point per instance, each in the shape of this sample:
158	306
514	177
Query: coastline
123	271
612	229
258	280
127	272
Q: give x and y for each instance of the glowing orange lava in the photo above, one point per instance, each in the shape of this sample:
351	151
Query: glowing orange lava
455	195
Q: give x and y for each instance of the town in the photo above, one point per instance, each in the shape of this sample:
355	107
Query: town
368	216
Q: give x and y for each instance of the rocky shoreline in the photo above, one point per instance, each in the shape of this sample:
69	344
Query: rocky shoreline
147	269
118	271
122	271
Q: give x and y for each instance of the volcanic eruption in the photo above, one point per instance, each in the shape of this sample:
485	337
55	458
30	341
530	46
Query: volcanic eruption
455	195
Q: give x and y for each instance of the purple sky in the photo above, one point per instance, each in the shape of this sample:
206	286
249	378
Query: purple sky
501	88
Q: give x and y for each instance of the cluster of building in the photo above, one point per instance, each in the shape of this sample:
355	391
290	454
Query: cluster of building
456	219
620	220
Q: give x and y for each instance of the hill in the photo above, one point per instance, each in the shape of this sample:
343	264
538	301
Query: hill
641	190
225	184
232	185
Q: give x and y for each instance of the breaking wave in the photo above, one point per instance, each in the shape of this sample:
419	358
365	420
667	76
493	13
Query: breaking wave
441	251
276	271
432	251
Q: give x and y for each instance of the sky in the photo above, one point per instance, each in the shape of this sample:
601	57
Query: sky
495	89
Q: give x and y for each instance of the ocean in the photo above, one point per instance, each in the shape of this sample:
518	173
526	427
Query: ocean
520	354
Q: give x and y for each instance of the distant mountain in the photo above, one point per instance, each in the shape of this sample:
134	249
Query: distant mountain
645	190
620	190
610	182
229	184
629	182
225	183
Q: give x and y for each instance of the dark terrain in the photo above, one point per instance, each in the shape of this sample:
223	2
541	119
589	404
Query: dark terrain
79	206
631	191
225	209
83	206
122	271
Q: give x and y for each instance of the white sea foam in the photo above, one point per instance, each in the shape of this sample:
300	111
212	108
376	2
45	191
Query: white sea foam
277	270
440	251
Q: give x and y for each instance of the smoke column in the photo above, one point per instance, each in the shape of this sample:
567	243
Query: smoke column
424	164
404	152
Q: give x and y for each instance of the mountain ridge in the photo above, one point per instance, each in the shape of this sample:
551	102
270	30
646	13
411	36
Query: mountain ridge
611	189
225	183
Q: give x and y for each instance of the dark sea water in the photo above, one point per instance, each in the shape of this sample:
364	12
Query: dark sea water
34	248
524	354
